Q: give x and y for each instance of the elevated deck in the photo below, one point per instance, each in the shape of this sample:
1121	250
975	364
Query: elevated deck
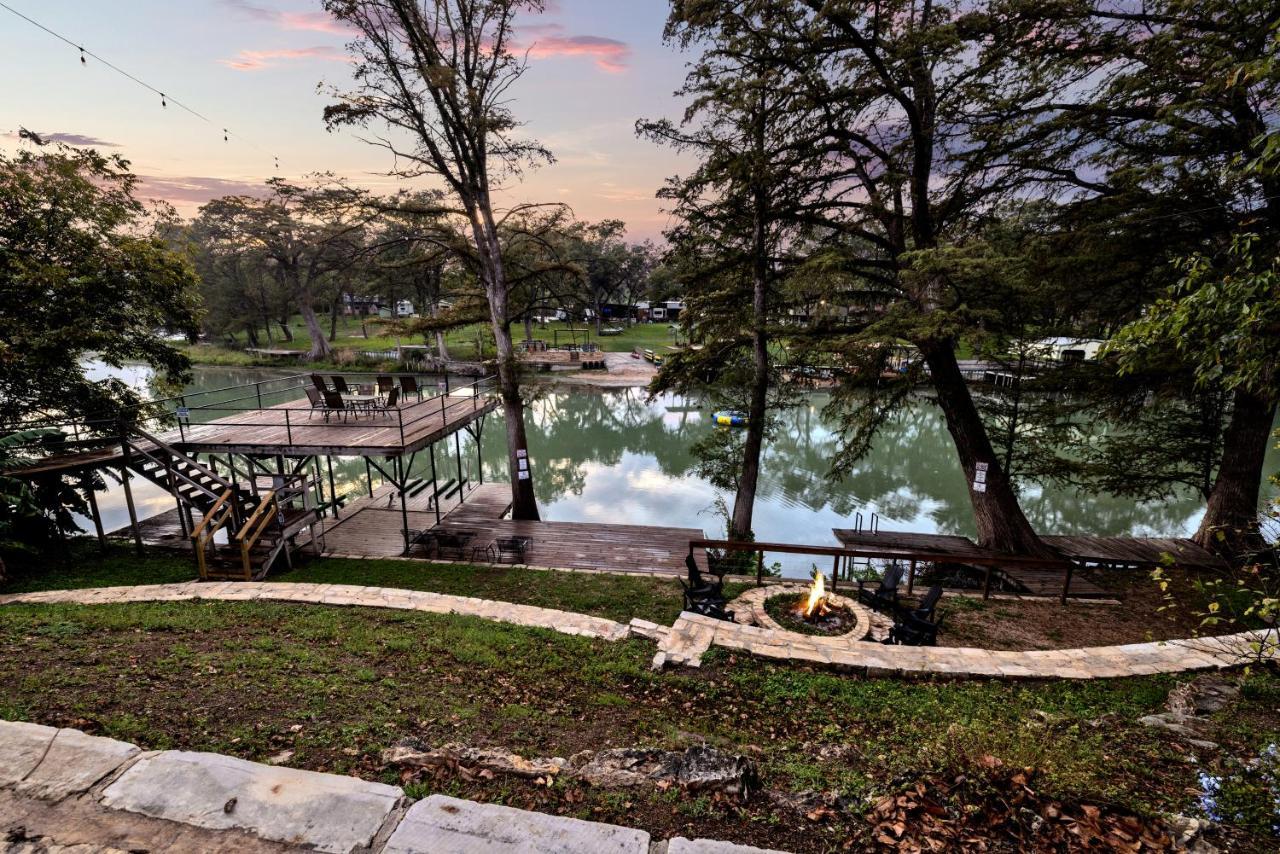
298	431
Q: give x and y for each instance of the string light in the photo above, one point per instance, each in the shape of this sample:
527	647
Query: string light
165	99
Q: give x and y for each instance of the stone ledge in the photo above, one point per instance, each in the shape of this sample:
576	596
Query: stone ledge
444	824
324	811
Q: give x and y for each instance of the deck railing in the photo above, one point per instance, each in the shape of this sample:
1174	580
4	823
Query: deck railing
846	556
191	411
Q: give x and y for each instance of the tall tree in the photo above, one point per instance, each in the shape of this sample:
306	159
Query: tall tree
83	271
304	234
438	75
739	220
894	92
1170	125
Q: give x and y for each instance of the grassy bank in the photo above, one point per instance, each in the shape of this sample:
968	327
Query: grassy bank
466	343
335	686
615	597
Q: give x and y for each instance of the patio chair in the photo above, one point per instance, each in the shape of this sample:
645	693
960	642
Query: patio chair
392	402
385	384
340	385
703	596
318	382
910	630
409	385
885	596
928	603
334	404
316	399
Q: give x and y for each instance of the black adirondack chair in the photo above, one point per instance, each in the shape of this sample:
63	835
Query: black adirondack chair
885	597
702	595
928	603
910	630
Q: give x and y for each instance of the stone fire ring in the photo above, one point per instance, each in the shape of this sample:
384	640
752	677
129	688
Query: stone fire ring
752	603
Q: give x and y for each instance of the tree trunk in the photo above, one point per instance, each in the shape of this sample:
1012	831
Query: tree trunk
599	309
251	335
524	504
528	326
744	501
284	328
999	519
320	348
333	321
1233	501
441	346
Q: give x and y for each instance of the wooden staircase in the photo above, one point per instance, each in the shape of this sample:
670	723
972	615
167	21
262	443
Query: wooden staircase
241	534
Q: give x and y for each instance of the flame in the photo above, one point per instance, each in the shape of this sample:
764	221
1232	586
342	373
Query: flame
817	594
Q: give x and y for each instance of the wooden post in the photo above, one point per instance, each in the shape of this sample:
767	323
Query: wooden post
1066	584
435	486
404	511
128	496
368	477
333	490
986	584
759	568
911	577
835	572
87	484
457	450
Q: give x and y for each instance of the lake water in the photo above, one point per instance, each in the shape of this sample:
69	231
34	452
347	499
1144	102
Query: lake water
615	456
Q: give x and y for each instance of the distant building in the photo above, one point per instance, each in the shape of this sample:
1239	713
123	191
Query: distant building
666	310
1066	350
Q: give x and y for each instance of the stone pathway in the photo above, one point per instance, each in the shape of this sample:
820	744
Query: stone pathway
685	642
692	635
63	790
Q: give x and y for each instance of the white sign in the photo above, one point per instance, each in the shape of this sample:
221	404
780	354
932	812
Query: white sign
980	476
524	475
522	464
982	466
521	452
184	412
979	486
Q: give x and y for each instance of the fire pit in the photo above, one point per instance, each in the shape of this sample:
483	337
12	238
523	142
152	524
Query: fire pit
809	612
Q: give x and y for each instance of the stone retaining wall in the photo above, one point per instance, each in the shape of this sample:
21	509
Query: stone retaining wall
230	797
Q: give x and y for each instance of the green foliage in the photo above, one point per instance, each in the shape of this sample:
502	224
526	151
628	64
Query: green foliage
83	271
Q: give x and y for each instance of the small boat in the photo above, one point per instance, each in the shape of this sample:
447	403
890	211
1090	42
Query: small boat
730	419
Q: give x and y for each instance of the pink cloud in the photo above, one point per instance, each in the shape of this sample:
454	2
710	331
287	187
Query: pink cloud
549	40
314	21
252	60
187	190
319	22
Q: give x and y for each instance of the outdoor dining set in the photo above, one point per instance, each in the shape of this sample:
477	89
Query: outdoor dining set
460	544
379	398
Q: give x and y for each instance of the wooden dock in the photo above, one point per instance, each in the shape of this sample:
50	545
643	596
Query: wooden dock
1137	552
374	530
550	359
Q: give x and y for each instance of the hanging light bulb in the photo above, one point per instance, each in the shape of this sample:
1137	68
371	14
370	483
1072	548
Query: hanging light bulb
163	102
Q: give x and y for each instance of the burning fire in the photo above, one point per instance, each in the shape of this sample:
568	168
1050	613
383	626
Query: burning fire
816	604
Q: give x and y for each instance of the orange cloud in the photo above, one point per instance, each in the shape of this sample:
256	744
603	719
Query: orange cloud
252	60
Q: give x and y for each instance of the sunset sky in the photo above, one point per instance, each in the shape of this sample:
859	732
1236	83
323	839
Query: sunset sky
253	67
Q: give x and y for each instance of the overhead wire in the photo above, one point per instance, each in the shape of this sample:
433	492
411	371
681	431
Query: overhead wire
165	98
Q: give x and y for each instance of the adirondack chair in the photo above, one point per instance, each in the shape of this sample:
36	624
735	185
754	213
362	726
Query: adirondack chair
910	630
928	603
884	597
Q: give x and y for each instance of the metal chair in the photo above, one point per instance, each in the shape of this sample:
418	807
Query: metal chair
409	385
385	384
317	401
340	385
334	404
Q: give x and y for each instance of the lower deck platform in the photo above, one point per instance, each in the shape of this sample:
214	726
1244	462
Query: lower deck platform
372	528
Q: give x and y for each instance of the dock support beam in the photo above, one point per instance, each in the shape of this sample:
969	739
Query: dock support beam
462	483
404	511
86	483
333	490
128	498
435	485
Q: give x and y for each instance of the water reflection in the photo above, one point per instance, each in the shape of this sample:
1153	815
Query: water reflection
614	456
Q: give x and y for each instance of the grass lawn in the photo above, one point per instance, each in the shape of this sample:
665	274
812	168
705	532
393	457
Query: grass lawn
616	597
335	686
338	685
